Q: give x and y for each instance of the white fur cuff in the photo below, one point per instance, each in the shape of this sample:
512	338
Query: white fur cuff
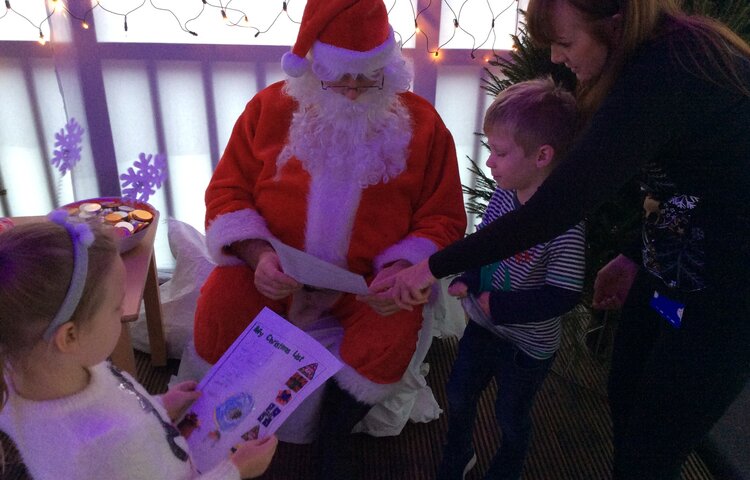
414	249
364	390
232	227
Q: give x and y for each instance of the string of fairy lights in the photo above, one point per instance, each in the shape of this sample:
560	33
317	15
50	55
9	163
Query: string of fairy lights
238	18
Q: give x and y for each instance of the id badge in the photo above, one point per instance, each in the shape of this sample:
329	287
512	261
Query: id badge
671	310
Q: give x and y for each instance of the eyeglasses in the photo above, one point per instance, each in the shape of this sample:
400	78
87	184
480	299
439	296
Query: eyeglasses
344	88
169	429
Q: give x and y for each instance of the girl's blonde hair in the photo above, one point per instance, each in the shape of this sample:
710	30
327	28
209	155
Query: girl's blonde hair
36	266
643	20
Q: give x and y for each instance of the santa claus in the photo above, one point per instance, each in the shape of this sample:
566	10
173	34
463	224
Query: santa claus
340	161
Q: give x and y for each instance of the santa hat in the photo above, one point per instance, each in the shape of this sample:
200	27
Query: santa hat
349	36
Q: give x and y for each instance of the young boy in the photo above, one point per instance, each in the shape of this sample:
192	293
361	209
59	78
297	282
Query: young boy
514	305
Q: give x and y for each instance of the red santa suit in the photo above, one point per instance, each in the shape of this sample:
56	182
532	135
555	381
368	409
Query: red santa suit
408	217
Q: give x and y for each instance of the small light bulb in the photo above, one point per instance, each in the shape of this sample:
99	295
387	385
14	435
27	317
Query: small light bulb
85	25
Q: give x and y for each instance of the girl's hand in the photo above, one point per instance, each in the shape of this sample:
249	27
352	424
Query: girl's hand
178	398
613	283
253	457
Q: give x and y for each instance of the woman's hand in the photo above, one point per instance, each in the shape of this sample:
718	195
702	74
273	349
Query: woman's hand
408	287
613	283
179	398
253	457
383	303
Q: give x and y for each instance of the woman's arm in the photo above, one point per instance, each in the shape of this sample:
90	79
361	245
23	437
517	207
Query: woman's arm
640	116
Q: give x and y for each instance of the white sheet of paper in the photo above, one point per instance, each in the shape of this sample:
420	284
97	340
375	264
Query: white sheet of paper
266	373
310	270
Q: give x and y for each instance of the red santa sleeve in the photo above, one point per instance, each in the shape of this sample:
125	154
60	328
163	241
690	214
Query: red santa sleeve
230	207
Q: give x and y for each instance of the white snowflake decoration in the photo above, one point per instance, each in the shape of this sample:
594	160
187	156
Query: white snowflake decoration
144	177
68	146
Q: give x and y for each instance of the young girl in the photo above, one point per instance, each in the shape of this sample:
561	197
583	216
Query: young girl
71	414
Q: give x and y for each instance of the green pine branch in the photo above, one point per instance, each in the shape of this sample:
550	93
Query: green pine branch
479	195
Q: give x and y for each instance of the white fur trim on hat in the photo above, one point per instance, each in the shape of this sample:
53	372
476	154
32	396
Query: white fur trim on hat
233	227
330	62
294	65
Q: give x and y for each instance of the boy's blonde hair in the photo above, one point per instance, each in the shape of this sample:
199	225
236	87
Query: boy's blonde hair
36	266
537	112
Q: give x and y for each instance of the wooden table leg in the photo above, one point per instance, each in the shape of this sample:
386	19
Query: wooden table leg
123	356
152	304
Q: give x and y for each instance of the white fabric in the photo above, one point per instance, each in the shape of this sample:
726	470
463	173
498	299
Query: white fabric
100	432
179	295
411	400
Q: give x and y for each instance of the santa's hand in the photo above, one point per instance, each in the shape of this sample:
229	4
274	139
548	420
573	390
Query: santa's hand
408	287
383	303
270	280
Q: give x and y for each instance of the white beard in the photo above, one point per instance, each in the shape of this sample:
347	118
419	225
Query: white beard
364	141
345	146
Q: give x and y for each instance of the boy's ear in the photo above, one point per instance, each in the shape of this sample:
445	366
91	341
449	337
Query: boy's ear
544	156
66	337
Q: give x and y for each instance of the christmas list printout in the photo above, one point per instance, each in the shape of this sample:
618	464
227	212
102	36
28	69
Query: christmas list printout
253	388
310	270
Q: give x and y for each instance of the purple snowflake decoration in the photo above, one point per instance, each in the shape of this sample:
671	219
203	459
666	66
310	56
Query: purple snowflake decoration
144	177
68	146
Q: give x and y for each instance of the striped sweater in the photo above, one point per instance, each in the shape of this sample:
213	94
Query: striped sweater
532	289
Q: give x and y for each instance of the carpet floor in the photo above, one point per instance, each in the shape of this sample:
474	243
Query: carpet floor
571	432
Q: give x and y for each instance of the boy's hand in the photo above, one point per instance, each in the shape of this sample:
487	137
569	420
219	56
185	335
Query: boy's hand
458	289
253	457
613	283
178	398
484	302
